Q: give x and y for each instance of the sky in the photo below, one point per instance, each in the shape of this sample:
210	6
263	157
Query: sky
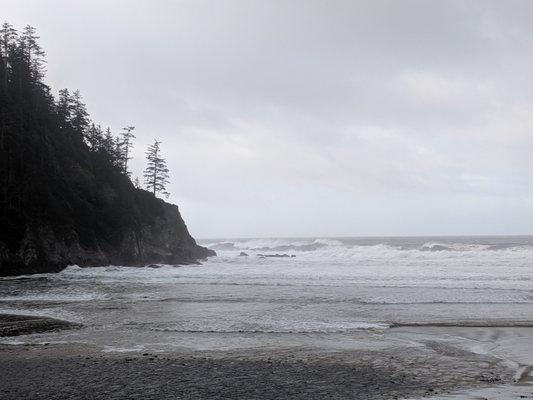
312	118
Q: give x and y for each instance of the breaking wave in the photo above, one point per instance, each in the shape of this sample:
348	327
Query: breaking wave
309	327
369	244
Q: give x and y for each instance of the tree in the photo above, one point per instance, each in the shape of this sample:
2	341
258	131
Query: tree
33	52
79	116
156	172
64	107
95	136
8	35
126	143
109	146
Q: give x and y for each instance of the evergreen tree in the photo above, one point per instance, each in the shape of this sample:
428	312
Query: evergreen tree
109	146
79	115
7	38
126	144
33	52
64	108
156	172
7	41
94	137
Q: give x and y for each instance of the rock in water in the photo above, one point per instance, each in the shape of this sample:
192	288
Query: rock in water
243	254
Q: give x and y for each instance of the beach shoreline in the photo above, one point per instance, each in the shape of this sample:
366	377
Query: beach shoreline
435	369
65	371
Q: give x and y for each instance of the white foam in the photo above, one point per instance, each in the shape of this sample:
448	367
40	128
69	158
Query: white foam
115	349
278	326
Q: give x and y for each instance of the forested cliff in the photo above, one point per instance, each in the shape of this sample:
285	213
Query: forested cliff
65	196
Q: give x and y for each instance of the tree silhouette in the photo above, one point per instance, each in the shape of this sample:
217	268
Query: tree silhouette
79	115
126	143
94	137
156	172
64	108
8	35
33	52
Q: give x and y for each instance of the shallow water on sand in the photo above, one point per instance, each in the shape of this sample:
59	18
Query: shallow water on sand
335	293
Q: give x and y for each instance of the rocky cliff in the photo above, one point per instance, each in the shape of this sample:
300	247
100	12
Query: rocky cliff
160	237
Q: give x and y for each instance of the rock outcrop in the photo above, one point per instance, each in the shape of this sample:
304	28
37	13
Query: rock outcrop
160	237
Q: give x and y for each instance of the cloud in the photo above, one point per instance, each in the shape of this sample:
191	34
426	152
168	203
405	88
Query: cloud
311	117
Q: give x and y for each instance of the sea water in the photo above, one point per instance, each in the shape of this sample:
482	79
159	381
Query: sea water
315	292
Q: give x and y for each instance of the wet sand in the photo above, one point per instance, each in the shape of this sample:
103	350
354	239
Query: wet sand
437	362
68	371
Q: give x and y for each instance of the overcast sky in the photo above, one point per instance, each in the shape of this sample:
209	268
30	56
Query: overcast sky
313	118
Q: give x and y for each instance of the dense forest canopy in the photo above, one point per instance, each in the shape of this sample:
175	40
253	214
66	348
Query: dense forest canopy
22	73
30	120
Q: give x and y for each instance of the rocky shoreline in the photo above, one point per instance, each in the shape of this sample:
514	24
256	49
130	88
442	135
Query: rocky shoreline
160	236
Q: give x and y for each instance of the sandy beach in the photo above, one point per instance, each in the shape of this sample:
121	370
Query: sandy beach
436	362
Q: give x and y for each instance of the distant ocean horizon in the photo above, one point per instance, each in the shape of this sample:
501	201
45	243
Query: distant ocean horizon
226	237
424	243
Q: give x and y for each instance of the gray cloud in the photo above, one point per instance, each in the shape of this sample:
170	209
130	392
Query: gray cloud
313	117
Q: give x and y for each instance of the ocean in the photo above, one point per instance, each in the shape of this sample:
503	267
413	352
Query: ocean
320	292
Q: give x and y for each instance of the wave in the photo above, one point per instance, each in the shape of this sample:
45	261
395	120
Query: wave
341	301
54	298
364	326
319	328
353	327
468	324
370	244
270	245
437	246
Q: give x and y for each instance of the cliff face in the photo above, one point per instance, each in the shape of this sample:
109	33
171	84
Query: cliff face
161	237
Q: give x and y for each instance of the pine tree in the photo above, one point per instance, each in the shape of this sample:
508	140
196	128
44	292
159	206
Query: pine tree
126	144
8	35
64	108
156	172
109	146
79	115
33	52
94	137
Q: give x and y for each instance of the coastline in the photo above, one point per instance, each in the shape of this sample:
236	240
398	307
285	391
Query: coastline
435	362
61	370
